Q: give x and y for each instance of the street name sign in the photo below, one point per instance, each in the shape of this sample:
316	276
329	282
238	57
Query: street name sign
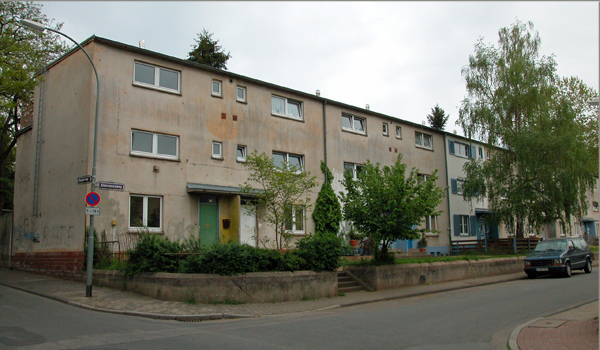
92	211
108	185
85	179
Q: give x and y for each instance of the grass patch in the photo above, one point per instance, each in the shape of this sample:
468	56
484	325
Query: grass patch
340	294
594	248
424	260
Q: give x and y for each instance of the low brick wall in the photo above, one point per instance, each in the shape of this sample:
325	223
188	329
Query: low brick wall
406	275
256	287
66	265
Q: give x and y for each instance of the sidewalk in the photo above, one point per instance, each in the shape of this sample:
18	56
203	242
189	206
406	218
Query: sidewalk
572	329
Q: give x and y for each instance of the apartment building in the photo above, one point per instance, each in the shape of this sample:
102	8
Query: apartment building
176	135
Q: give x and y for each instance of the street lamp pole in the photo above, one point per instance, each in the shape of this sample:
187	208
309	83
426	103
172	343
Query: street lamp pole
90	251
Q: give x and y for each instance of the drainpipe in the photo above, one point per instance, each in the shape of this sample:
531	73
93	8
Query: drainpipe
448	195
325	137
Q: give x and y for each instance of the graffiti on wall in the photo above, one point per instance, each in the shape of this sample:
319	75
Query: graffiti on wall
27	237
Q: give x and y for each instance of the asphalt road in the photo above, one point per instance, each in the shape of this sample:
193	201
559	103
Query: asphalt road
473	318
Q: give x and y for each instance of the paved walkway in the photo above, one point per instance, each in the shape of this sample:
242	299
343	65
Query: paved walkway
578	330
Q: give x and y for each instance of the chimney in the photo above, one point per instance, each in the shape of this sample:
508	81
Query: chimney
142	44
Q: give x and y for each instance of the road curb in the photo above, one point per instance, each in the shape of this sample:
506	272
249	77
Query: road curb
512	340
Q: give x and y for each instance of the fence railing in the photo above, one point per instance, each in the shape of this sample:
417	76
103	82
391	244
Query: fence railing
497	245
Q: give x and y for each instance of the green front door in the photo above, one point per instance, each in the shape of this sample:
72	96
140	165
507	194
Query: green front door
208	220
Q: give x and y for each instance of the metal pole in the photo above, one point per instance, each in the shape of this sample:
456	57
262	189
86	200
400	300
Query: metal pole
90	250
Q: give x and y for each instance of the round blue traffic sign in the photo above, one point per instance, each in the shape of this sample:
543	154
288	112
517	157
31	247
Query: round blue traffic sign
92	199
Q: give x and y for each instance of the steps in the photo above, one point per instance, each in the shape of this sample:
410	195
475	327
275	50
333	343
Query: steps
346	284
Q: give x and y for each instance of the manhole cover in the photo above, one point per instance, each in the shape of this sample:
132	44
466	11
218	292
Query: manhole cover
548	323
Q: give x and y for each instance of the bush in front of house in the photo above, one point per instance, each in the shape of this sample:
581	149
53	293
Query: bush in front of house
156	253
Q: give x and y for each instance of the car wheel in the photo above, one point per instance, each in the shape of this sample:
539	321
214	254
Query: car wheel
531	275
588	266
568	272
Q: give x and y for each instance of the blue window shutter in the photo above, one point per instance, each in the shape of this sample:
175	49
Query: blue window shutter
472	225
457	225
451	146
453	185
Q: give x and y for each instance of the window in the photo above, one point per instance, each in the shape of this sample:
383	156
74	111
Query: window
240	94
217	150
595	206
461	149
487	155
423	140
422	177
156	77
456	186
464	225
355	169
294	218
154	144
480	152
385	129
399	132
145	212
431	223
280	159
217	88
241	153
354	123
286	108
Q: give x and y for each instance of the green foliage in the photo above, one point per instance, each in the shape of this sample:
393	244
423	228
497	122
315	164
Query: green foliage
279	189
22	54
543	158
207	51
320	252
438	118
150	255
422	243
387	205
328	211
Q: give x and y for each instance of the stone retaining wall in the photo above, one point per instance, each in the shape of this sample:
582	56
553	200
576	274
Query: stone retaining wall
256	287
406	275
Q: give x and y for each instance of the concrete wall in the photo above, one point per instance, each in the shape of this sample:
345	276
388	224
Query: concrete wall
256	287
405	275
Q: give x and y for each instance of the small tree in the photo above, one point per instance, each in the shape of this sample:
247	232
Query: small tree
387	205
438	118
328	211
282	190
207	51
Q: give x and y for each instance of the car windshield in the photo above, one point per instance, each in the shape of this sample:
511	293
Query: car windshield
546	246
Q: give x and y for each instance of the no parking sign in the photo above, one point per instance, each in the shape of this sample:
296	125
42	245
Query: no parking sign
92	199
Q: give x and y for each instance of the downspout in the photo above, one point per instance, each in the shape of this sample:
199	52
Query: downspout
448	194
325	138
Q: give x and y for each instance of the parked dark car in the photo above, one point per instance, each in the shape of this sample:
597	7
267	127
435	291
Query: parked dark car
559	257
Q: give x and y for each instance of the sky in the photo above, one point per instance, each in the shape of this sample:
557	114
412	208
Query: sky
402	58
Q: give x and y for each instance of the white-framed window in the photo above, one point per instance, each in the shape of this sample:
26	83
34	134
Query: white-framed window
464	225
353	123
595	206
385	130
240	94
240	153
487	155
423	140
217	88
461	149
145	212
456	186
294	218
431	223
284	107
159	78
422	177
480	152
354	168
399	132
217	149
153	144
295	160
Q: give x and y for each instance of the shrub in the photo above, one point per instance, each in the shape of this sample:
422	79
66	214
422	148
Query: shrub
320	252
149	255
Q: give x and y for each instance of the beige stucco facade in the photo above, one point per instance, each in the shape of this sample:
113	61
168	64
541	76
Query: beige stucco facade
50	205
